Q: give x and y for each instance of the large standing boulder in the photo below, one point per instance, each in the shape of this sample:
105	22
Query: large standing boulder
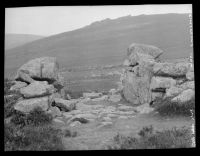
44	68
136	89
145	78
137	77
28	105
37	89
148	51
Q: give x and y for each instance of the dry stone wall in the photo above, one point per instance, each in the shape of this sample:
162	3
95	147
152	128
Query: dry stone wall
41	85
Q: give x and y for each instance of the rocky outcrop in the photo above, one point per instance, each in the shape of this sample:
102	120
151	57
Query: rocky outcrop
41	85
145	78
138	73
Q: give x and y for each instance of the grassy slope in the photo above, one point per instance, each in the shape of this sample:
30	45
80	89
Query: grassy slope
15	40
106	42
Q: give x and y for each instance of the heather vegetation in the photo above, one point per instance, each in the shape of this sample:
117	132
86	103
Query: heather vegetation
33	131
166	107
151	139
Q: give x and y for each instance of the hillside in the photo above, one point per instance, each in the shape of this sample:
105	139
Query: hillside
15	40
105	42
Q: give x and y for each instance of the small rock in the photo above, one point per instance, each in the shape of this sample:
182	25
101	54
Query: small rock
123	117
112	91
92	95
125	108
115	98
120	104
105	124
67	115
58	121
112	115
65	105
126	62
75	124
68	97
84	100
54	111
104	97
107	118
125	113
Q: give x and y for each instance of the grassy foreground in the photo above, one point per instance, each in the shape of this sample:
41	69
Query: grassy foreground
33	131
151	139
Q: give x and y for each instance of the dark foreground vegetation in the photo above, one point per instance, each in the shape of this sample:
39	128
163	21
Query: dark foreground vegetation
151	139
166	107
33	131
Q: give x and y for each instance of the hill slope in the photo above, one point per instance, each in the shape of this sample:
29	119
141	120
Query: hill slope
106	42
15	40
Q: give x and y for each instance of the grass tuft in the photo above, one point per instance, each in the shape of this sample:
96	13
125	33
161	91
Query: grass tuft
166	107
150	139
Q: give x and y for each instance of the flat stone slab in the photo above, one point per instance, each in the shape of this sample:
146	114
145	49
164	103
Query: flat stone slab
37	89
58	121
18	85
28	105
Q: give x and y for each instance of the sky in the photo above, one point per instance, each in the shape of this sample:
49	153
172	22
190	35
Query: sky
46	21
